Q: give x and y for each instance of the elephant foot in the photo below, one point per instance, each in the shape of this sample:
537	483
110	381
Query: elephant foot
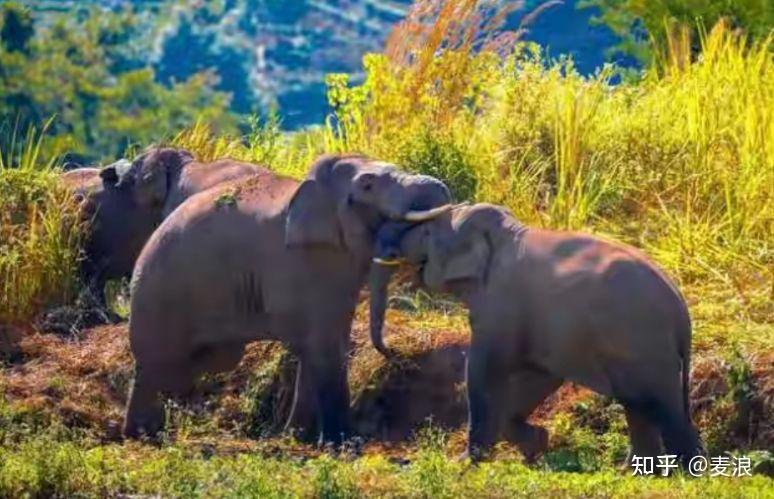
148	426
534	444
475	453
145	411
304	435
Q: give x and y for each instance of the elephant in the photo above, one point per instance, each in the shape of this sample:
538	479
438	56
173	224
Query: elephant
430	193
264	258
549	306
109	249
125	202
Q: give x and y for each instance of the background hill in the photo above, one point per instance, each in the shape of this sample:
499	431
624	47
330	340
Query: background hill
276	53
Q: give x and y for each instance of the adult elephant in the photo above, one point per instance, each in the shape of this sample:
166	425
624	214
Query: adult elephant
125	202
262	258
116	228
550	306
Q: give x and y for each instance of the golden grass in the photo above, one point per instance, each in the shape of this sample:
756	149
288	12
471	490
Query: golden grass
39	234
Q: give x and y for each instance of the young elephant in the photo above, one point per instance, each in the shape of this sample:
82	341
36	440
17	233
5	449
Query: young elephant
548	306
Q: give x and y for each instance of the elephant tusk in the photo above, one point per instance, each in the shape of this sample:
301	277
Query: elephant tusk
388	263
424	215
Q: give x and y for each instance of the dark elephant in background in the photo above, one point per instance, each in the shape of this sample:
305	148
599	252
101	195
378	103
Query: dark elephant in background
125	202
263	258
549	306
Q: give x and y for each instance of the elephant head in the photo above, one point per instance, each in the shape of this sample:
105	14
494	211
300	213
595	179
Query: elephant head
452	251
455	253
409	200
110	215
153	173
346	200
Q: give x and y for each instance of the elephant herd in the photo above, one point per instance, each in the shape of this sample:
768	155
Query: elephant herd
225	253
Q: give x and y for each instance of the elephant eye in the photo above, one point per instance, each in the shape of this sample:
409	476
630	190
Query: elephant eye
367	187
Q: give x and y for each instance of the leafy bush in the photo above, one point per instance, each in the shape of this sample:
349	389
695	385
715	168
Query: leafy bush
71	69
443	159
650	28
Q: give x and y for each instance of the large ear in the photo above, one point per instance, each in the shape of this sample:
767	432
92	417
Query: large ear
109	176
151	173
468	258
312	217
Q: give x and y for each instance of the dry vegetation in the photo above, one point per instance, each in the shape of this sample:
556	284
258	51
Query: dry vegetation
680	164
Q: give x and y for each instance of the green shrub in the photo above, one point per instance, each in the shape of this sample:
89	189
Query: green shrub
443	159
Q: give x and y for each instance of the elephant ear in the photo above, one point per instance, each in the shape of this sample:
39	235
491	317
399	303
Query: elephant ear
312	217
151	188
109	176
468	260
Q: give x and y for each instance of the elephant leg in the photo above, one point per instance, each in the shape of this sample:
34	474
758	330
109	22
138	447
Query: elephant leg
144	411
531	387
304	412
644	436
655	392
328	372
678	432
486	388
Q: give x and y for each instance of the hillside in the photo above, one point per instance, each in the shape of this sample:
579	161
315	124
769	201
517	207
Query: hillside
268	53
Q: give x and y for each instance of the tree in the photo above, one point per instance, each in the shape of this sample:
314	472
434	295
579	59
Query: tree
15	27
647	25
102	100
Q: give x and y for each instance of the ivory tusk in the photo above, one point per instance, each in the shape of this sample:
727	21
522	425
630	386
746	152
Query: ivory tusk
424	215
388	263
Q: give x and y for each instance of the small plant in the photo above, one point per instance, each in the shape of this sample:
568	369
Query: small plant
265	138
227	199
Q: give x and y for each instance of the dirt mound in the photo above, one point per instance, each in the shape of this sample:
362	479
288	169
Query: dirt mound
425	387
84	380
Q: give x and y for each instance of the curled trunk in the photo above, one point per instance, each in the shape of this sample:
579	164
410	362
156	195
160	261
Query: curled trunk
378	282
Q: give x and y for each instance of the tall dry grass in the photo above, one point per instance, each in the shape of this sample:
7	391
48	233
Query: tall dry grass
39	233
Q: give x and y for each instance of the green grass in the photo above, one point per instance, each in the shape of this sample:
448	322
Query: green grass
42	468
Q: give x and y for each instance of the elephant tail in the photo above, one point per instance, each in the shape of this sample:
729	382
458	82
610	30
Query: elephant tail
684	342
686	375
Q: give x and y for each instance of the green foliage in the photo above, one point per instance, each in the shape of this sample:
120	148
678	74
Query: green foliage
265	138
443	159
47	467
591	437
648	26
78	72
15	28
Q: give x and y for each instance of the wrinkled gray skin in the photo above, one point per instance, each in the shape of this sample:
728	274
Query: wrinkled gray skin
125	202
547	307
278	260
426	193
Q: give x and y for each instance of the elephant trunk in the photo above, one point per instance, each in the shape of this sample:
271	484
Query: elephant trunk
378	282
